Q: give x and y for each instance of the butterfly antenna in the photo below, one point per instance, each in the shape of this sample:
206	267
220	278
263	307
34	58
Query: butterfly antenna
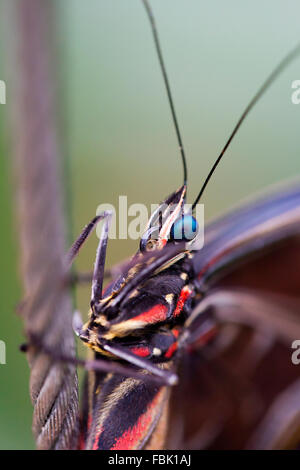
166	81
272	77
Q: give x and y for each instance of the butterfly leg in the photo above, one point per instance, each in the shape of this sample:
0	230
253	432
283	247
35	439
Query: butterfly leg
98	274
99	365
75	248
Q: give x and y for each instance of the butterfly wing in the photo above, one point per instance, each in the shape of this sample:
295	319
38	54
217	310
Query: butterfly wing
255	231
248	272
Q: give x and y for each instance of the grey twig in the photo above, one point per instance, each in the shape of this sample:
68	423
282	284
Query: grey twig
47	310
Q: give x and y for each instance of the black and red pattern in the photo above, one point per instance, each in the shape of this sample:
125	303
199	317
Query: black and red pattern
212	317
178	313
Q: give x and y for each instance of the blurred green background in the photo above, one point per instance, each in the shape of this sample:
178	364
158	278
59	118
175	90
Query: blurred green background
119	138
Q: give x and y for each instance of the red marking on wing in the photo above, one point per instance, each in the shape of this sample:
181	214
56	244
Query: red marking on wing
176	332
203	339
81	444
132	436
96	440
184	295
169	353
156	314
89	423
142	351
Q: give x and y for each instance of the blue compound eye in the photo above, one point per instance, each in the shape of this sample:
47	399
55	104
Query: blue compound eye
184	229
